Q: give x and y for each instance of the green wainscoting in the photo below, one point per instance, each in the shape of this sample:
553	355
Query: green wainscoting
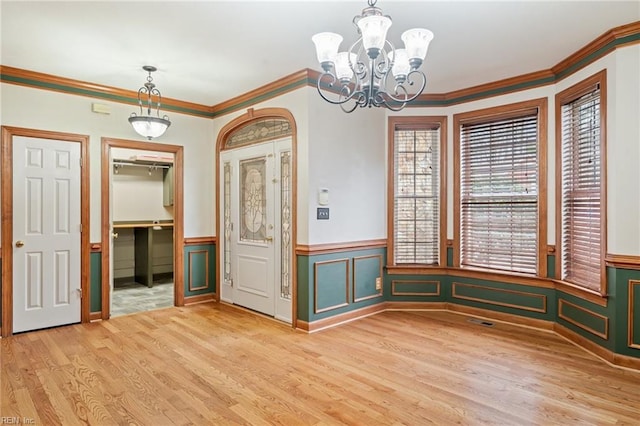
551	266
95	287
335	283
339	282
199	269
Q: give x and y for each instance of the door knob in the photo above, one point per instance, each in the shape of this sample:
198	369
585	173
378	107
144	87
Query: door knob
270	239
114	235
19	243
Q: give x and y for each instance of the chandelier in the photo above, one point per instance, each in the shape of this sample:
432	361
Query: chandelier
148	125
372	73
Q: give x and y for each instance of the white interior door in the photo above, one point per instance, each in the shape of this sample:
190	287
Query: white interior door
255	243
46	233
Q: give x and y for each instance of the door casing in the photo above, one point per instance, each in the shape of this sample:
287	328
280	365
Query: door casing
7	218
178	215
247	118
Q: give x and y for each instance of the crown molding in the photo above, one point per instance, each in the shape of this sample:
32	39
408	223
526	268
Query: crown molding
611	40
276	88
97	91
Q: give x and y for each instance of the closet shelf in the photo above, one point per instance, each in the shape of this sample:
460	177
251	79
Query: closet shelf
142	225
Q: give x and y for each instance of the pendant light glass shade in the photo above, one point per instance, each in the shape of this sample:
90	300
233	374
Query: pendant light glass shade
374	31
416	42
149	127
327	45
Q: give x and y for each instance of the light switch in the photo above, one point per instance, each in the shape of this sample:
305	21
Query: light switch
323	213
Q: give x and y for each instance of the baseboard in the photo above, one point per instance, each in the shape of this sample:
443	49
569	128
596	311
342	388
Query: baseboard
201	298
610	357
339	319
93	316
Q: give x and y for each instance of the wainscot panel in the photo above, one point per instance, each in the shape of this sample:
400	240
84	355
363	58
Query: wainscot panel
367	272
199	269
95	287
524	300
633	312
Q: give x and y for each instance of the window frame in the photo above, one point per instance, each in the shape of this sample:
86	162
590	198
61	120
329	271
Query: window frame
425	122
497	113
562	98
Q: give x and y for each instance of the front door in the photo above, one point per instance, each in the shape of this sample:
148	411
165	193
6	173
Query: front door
46	233
251	220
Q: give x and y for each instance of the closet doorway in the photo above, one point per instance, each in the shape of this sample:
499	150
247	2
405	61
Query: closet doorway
142	220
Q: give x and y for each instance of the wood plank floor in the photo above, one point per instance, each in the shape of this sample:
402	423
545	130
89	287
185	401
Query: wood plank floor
216	364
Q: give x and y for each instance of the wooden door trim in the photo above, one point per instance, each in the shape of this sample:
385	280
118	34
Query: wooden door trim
7	218
178	211
247	118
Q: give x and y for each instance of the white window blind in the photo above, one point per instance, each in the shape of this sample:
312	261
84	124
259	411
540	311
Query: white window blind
499	194
581	191
416	215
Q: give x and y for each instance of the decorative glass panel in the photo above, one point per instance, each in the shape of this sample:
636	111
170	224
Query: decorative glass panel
285	199
259	131
253	200
227	222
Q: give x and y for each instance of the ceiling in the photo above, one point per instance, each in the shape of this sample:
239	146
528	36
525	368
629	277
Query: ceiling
210	51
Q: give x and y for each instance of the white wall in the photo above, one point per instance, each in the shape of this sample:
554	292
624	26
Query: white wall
339	151
52	111
347	156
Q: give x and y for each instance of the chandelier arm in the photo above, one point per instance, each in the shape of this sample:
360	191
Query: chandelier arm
342	99
156	92
385	64
407	98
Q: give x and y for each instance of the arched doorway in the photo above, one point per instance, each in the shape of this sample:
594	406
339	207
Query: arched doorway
256	212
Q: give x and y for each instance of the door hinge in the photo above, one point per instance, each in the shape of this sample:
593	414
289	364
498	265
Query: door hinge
80	226
80	161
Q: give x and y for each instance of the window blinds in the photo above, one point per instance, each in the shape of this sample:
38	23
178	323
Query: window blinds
499	194
416	220
581	189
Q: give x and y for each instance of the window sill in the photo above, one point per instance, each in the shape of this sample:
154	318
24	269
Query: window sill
581	292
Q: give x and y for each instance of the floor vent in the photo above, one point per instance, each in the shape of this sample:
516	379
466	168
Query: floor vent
481	322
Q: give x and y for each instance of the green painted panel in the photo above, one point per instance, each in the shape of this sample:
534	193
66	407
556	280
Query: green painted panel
634	294
196	260
551	266
404	287
305	282
95	283
506	297
619	281
583	318
332	283
449	256
416	288
365	271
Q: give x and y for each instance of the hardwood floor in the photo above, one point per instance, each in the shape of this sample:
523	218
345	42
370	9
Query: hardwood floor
217	364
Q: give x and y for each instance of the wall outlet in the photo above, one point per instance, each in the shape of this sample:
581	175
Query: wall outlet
379	283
